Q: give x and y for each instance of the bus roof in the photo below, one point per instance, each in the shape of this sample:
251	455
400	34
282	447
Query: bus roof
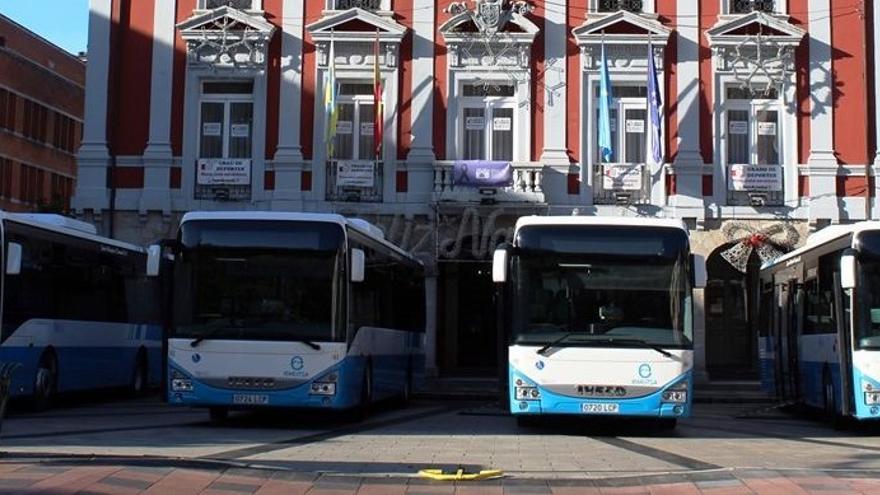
66	226
359	224
824	236
603	221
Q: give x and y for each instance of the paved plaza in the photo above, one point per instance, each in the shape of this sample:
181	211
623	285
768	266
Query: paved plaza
143	445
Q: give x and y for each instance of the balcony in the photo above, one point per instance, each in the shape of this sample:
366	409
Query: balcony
354	181
621	184
755	185
526	186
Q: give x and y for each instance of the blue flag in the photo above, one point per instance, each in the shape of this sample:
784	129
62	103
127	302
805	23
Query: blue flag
606	148
655	151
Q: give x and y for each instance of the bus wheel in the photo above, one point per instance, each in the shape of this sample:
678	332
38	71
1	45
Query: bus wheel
45	382
139	376
218	414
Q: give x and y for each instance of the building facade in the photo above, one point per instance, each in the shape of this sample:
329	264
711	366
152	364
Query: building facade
768	125
42	89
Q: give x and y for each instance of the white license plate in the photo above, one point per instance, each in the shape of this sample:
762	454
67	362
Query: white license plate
255	399
600	408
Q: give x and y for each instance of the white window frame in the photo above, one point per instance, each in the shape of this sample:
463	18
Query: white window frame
753	107
648	7
226	99
488	104
621	105
256	5
358	101
780	7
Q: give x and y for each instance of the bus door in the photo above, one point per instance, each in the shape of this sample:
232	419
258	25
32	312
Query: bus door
843	313
788	341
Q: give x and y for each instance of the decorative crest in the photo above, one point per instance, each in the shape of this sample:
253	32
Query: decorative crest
490	16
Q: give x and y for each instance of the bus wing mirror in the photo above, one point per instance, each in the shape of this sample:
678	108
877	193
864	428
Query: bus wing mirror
848	270
13	258
154	259
358	265
699	269
499	265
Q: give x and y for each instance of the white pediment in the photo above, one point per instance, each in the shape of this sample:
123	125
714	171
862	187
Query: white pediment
622	28
490	20
773	28
218	19
227	38
356	25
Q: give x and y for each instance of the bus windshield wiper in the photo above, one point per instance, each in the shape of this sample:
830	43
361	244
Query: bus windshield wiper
642	342
554	343
309	343
206	335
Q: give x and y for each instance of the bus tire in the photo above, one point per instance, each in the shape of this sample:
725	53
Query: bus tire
218	414
139	376
366	404
45	382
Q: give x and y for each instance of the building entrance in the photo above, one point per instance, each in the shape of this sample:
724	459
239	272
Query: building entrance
467	322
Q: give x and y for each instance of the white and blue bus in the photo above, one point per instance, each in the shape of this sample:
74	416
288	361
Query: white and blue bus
600	318
819	322
275	309
78	311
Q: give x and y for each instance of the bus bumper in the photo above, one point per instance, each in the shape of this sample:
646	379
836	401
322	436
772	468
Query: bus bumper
649	406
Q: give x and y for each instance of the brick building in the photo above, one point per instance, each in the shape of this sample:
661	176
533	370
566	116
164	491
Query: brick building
42	89
768	121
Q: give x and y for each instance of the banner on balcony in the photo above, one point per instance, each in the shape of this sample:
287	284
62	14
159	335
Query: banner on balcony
622	177
223	172
355	174
482	173
754	178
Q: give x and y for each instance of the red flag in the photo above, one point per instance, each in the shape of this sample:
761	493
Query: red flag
378	116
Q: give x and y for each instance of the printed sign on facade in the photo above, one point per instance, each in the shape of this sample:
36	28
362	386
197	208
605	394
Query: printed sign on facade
755	178
240	130
223	172
738	127
367	128
766	128
475	123
355	174
212	128
635	126
501	123
622	177
343	127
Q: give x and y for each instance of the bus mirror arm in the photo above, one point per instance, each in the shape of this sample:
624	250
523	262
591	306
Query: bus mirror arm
848	270
13	258
698	269
358	265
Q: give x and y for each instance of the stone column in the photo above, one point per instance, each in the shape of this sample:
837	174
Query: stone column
158	156
555	91
420	160
874	213
288	160
93	157
822	162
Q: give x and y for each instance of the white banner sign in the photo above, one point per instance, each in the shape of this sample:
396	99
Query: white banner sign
635	126
766	128
355	174
367	128
501	123
475	123
343	127
761	178
240	130
622	177
738	127
212	128
223	172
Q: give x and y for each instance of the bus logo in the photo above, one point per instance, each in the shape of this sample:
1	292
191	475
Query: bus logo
601	390
539	365
645	371
196	357
297	363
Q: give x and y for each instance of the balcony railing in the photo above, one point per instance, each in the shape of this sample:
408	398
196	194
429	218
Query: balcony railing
755	185
354	180
748	6
615	5
527	185
621	183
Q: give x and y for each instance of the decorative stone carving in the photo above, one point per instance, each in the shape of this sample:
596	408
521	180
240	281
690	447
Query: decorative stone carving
490	16
227	38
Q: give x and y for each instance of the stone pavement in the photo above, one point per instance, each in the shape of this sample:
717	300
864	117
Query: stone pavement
95	477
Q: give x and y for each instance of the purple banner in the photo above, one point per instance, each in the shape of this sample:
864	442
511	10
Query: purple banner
482	173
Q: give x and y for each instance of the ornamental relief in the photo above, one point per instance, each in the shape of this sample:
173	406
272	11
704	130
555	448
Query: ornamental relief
357	54
227	38
631	57
475	56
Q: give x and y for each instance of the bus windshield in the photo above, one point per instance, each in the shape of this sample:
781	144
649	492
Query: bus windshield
259	280
868	331
600	300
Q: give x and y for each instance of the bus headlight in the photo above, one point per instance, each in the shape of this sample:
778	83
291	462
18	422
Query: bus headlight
322	388
527	393
677	393
180	382
872	398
